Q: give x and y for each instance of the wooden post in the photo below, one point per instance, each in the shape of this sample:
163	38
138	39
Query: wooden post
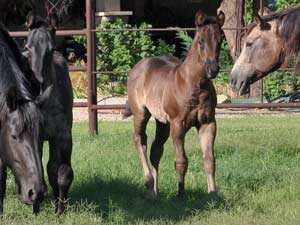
91	66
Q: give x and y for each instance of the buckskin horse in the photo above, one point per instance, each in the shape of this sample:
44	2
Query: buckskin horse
50	68
270	43
21	122
179	96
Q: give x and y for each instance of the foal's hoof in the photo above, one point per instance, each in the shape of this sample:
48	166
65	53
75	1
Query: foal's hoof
150	194
149	182
180	194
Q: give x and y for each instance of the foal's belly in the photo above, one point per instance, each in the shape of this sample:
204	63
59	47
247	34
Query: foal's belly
155	107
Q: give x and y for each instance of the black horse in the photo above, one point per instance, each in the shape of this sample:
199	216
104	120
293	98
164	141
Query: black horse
50	68
20	124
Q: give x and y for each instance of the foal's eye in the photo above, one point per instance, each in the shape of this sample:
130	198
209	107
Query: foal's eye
201	43
14	137
249	44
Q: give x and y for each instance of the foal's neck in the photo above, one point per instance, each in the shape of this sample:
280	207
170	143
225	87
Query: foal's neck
193	68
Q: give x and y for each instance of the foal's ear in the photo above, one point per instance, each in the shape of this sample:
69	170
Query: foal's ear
11	99
200	18
221	18
45	96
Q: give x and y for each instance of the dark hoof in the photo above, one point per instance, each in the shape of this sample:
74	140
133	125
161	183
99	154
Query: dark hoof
36	208
60	210
61	206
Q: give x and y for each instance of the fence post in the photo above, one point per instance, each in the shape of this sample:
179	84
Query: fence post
91	66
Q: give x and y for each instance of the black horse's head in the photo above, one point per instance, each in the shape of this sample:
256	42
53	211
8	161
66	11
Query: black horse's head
19	141
41	44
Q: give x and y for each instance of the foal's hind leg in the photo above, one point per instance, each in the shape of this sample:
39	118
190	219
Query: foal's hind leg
161	136
60	172
140	121
207	135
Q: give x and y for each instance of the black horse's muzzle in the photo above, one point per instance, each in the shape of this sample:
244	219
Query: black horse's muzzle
212	69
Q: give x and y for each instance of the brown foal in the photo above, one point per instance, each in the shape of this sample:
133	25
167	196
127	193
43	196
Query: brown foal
179	96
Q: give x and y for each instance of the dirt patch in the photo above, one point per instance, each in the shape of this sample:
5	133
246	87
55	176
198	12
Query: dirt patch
81	114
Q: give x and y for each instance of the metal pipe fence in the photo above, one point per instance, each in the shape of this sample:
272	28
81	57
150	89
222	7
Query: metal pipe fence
90	68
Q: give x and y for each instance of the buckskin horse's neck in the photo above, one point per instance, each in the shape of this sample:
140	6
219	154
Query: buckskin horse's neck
192	70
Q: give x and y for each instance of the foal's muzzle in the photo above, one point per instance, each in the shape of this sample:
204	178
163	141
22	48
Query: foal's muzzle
212	69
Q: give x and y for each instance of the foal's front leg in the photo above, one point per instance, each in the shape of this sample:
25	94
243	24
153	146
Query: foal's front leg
207	135
3	175
181	162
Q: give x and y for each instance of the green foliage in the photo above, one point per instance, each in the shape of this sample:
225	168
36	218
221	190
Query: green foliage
280	83
186	41
283	4
79	81
120	51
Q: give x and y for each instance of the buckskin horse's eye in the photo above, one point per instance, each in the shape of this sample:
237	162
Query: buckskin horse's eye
201	43
249	44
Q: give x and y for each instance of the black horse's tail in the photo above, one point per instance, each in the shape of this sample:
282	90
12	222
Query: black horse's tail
127	111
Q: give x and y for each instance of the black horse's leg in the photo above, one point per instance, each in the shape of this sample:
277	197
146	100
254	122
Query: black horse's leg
181	161
3	175
60	172
161	136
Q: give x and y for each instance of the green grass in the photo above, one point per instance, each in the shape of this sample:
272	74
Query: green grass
258	178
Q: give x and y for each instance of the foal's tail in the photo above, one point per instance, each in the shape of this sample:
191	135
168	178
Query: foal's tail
127	111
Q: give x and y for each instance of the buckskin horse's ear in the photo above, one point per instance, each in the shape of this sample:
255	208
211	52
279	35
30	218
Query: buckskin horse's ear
11	99
267	11
200	18
221	18
259	21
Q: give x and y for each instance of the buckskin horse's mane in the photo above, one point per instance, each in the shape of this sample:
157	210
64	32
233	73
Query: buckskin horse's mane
287	26
12	74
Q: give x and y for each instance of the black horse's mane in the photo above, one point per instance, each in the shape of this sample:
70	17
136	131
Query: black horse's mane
287	26
14	74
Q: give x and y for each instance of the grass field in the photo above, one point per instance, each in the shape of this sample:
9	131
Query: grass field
258	178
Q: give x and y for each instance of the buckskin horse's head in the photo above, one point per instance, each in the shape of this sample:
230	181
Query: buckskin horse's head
209	38
270	43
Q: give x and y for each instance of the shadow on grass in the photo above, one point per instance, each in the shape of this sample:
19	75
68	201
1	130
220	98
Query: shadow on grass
129	197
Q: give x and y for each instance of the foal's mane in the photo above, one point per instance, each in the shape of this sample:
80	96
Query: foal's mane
287	27
13	76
